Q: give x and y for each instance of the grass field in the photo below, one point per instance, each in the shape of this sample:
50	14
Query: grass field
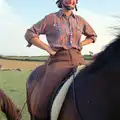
14	82
25	58
14	85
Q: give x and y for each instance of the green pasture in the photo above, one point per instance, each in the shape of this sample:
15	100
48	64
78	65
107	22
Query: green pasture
25	58
14	85
35	58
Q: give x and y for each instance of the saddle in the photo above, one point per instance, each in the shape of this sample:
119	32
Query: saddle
60	93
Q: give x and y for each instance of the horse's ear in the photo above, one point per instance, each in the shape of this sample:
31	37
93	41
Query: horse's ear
18	110
19	113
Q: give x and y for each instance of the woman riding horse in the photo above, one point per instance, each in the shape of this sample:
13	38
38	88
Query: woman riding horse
63	30
95	92
8	107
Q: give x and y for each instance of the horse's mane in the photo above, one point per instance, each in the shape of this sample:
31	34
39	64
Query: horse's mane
105	56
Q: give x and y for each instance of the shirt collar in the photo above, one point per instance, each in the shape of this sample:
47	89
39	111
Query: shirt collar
61	13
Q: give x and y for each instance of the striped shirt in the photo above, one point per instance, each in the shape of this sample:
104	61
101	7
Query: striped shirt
61	31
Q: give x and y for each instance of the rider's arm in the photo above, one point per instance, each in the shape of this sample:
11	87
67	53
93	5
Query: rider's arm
32	35
89	32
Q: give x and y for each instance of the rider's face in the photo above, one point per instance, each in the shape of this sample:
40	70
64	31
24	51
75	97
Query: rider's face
70	3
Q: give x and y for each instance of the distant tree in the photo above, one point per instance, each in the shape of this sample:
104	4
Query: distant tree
91	53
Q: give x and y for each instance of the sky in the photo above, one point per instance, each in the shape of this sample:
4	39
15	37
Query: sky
16	16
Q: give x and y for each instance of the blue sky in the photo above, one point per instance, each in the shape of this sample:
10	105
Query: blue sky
38	8
16	16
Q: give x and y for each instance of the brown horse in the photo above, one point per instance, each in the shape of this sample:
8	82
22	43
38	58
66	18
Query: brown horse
95	92
8	107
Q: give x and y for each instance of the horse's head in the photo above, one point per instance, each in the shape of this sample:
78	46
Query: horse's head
13	113
8	107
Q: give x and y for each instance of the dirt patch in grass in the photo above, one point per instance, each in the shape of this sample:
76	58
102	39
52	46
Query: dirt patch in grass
13	64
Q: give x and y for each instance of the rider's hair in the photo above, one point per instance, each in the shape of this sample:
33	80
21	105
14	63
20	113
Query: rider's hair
59	4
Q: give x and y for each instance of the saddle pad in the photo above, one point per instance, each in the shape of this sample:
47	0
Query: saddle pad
59	99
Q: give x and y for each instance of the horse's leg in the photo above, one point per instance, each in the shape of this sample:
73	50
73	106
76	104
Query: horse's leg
33	79
68	111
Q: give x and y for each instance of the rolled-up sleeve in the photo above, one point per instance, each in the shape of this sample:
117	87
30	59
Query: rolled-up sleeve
88	31
36	30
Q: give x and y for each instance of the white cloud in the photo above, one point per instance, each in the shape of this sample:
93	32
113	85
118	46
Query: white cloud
0	3
12	30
